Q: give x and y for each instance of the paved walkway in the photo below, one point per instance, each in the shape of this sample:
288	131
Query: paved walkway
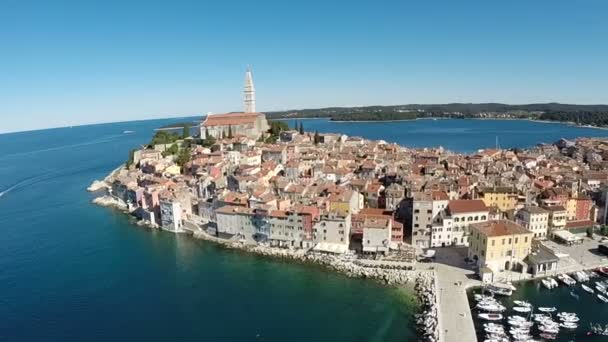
455	319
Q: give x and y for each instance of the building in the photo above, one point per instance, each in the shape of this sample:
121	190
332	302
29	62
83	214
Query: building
331	232
377	234
460	215
248	123
534	219
419	219
505	198
499	245
393	194
171	215
557	217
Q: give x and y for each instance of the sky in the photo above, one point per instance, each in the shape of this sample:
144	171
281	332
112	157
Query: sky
77	62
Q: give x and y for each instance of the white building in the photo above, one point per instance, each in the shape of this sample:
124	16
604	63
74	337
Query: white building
460	214
534	219
171	215
377	234
332	232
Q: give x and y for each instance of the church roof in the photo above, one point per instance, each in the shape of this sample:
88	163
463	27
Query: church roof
230	119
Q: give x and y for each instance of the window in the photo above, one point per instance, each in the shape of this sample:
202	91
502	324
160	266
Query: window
429	211
503	242
483	217
509	241
516	239
416	211
526	239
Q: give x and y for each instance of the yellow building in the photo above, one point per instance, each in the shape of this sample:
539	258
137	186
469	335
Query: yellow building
505	198
499	245
173	170
571	209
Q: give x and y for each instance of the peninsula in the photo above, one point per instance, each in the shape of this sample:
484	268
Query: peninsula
370	208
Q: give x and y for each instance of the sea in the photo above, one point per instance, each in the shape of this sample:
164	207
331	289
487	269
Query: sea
589	308
70	270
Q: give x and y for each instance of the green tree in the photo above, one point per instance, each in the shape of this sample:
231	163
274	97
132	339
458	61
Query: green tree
172	150
131	157
163	137
317	138
301	127
183	157
186	131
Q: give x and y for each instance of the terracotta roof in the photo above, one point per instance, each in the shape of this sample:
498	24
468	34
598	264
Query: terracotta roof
499	228
230	119
579	224
466	206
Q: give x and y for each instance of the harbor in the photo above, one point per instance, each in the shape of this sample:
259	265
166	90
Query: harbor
537	311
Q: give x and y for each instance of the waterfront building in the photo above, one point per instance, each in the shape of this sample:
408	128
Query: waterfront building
235	221
535	219
171	215
393	194
331	232
499	245
419	219
377	234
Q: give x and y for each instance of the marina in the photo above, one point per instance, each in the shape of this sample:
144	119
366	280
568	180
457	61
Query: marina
571	311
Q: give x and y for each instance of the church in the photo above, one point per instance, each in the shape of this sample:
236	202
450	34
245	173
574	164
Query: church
248	123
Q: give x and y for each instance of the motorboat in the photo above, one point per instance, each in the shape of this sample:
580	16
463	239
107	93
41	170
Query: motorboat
603	271
600	288
547	309
587	288
602	298
522	309
491	307
522	303
568	325
549	329
490	316
500	289
547	284
566	279
581	276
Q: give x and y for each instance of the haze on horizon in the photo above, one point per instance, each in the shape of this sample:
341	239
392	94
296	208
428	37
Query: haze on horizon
70	62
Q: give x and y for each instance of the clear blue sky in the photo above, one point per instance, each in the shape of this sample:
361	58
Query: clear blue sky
73	62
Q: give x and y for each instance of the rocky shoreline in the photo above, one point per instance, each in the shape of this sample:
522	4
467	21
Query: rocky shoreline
427	322
423	282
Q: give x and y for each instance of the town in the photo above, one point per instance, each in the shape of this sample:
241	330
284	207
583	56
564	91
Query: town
251	182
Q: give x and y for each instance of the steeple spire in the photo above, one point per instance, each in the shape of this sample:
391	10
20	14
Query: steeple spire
249	92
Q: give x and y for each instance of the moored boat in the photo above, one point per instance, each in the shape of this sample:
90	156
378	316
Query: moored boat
602	298
490	316
547	309
587	288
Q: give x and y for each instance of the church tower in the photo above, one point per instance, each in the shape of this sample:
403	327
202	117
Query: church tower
249	93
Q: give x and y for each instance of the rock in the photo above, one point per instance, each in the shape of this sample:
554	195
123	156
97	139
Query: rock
109	201
97	185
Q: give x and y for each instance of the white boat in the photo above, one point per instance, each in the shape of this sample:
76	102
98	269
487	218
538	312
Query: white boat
490	316
491	307
566	279
553	281
523	309
568	325
522	303
581	276
602	298
587	288
549	329
547	309
600	288
547	284
500	289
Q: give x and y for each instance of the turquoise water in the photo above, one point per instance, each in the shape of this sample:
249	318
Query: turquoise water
70	270
467	135
588	307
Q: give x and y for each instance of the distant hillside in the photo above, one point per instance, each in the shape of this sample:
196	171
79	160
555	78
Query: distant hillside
581	114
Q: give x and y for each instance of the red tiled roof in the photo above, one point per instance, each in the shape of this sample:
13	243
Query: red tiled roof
499	228
579	224
466	206
230	119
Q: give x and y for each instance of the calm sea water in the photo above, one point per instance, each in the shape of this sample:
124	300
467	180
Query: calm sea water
588	307
70	270
467	135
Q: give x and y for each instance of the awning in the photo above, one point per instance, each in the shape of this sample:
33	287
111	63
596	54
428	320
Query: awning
566	236
336	248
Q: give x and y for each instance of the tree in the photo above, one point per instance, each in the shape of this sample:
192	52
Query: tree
223	134
163	137
186	132
295	125
317	138
301	127
183	157
172	150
